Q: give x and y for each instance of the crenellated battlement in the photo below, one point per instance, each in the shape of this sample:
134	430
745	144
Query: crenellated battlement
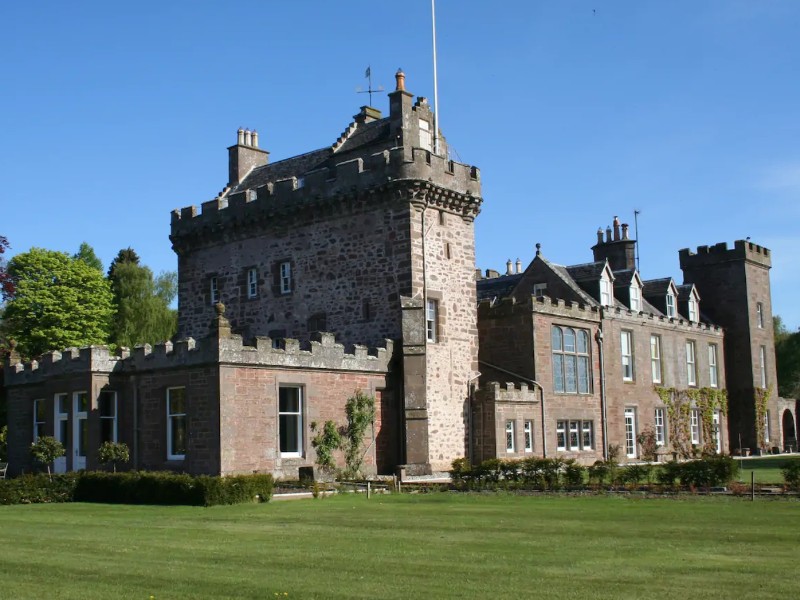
508	392
450	185
320	353
719	253
674	322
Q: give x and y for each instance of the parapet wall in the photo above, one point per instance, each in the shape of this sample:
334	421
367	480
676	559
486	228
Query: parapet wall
321	354
544	304
454	185
719	253
508	392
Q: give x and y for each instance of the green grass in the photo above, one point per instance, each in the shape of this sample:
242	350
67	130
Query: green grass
766	468
435	546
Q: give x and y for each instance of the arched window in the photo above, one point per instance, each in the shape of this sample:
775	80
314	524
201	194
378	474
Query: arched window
571	365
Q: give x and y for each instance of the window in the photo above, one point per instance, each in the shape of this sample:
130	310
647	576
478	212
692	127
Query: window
528	431
318	322
636	298
715	430
39	418
290	416
176	423
630	432
670	305
713	379
693	310
655	358
571	360
285	270
626	344
447	250
277	336
695	426
301	183
425	135
432	320
691	364
574	435
62	418
441	216
366	312
760	315
252	283
766	426
539	289
762	362
107	405
661	430
605	291
561	435
214	291
252	195
510	436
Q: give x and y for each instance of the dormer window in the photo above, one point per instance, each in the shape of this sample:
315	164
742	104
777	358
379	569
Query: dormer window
693	310
636	298
671	305
605	291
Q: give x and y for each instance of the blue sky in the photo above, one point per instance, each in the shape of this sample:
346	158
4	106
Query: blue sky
113	114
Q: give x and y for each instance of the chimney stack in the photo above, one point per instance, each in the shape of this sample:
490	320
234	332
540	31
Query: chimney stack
244	156
616	228
619	250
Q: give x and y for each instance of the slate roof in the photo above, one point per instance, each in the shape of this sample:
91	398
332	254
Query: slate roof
624	278
656	287
497	287
684	291
563	273
586	271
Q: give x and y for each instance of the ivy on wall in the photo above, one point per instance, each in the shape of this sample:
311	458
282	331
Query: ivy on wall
679	405
761	400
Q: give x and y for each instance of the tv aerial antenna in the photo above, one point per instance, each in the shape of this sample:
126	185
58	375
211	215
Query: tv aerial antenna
370	90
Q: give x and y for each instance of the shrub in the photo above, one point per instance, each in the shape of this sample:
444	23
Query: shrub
649	443
708	472
3	443
489	471
598	472
113	452
36	489
532	472
46	449
573	473
461	471
791	475
510	470
668	473
635	474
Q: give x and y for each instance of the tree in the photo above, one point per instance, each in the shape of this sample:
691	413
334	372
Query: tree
787	356
4	443
87	255
58	302
46	449
113	453
6	285
143	313
126	255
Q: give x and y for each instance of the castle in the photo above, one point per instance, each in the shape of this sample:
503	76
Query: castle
352	267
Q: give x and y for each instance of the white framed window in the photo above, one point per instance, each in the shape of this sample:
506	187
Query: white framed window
425	135
587	435
671	305
715	430
694	417
107	407
630	432
605	291
539	289
574	435
213	291
571	364
528	431
252	282
285	269
693	316
432	320
766	426
510	446
252	195
636	298
762	363
176	423
290	417
655	358
713	374
39	418
561	435
691	364
661	430
61	402
760	315
626	347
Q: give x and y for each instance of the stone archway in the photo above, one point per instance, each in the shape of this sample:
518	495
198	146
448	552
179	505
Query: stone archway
789	431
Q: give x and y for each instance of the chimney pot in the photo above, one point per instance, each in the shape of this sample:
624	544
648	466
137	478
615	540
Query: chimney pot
599	235
538	249
624	231
255	139
240	137
400	78
248	140
519	266
608	233
616	228
509	267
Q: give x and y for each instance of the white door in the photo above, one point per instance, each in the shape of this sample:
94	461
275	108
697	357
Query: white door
630	433
80	430
61	403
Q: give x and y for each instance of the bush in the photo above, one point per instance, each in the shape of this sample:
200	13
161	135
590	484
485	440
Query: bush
46	449
668	473
573	473
37	489
635	474
113	453
791	475
599	472
171	488
708	472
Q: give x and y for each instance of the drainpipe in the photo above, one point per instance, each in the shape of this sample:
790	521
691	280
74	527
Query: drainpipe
470	397
541	395
599	338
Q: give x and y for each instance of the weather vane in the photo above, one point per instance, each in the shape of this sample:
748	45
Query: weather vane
369	90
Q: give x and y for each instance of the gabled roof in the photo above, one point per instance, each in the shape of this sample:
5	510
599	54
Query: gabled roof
587	271
658	287
687	290
563	273
624	278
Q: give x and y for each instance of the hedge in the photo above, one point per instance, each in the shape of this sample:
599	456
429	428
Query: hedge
136	488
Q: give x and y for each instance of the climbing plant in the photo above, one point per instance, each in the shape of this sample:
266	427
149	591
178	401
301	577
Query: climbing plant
679	405
761	399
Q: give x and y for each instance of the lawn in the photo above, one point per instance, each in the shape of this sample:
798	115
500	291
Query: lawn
438	545
766	468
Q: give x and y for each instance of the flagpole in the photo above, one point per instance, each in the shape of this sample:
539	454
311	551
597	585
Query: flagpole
435	84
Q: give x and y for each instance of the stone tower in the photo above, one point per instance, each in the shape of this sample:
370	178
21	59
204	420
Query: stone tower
369	238
734	292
